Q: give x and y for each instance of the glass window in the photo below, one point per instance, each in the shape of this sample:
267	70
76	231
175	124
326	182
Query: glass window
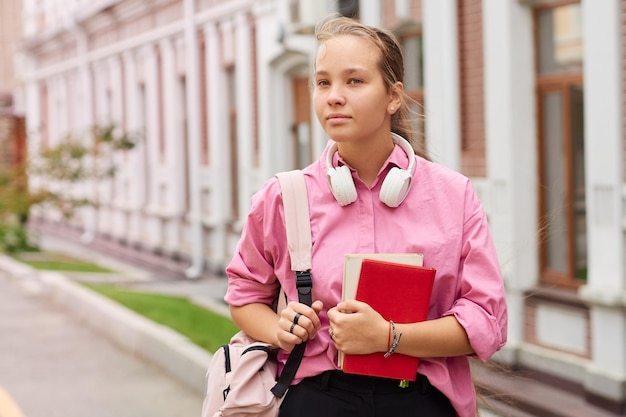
412	48
553	187
562	227
413	73
560	39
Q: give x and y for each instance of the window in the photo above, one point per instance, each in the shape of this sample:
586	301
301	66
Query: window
232	141
301	127
563	236
411	41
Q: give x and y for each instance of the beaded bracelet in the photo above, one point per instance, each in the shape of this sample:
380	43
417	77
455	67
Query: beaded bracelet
396	339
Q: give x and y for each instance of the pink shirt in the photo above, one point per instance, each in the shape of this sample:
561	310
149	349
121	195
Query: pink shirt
442	218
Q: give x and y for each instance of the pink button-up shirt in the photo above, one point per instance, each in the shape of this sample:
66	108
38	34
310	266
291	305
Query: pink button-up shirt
441	218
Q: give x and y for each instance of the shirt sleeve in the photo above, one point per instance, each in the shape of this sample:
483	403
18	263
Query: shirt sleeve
251	271
481	307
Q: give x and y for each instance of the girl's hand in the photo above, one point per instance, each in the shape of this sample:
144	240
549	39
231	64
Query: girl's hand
298	323
357	328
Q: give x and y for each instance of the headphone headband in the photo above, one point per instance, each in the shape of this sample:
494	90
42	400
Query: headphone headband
394	189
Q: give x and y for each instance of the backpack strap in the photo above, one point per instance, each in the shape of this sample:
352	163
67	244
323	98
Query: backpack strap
298	225
297	221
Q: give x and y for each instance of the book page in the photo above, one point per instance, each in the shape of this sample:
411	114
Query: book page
352	267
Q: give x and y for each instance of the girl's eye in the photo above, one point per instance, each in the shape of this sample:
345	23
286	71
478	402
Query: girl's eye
321	83
355	81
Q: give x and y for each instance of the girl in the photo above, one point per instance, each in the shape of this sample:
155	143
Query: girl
426	208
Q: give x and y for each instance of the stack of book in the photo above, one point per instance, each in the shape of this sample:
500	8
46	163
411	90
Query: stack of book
399	288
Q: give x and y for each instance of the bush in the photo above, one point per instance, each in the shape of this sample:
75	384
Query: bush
72	160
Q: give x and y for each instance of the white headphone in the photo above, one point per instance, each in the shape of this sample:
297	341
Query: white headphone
395	186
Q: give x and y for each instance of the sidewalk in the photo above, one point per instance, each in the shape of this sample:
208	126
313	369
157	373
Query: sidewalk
156	343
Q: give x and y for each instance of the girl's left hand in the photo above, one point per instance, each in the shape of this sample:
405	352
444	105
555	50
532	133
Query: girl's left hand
356	328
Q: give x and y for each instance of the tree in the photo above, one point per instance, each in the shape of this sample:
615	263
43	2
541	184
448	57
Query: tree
46	179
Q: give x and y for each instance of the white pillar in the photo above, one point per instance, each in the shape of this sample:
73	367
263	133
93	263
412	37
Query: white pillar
194	147
115	117
370	12
53	83
116	89
151	139
218	144
511	151
137	197
245	106
34	121
441	81
606	281
172	135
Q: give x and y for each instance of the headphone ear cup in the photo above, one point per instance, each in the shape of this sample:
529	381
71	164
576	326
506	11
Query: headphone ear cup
342	185
395	187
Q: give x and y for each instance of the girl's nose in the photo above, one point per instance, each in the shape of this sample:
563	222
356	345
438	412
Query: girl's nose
336	96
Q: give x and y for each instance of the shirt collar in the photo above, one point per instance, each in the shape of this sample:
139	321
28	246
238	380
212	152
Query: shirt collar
396	158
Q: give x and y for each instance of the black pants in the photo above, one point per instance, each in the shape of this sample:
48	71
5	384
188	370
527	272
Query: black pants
336	394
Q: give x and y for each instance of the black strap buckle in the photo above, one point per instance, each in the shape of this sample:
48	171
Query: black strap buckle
304	284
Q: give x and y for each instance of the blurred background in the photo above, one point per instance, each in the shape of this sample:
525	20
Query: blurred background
141	129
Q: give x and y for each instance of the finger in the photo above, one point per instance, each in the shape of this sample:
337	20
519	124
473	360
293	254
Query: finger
317	306
297	334
350	306
305	328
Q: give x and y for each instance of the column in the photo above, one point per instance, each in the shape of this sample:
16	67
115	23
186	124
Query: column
218	146
511	152
137	193
171	116
193	146
151	139
606	282
245	116
441	81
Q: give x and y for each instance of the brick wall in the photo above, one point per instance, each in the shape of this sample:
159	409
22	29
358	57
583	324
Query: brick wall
389	18
12	140
471	88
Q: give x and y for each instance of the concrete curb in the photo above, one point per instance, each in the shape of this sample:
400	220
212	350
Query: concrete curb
169	350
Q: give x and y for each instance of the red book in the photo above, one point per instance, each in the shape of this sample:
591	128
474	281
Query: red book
401	293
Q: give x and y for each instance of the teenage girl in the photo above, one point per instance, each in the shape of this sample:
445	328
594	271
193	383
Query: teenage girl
370	192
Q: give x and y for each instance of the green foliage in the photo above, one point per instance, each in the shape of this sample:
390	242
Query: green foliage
51	261
15	200
73	159
203	327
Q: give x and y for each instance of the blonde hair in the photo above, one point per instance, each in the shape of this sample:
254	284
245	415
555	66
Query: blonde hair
391	66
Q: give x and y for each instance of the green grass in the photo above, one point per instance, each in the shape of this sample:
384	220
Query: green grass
57	262
203	327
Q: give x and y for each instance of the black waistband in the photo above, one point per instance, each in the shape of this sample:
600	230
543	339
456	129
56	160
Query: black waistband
363	383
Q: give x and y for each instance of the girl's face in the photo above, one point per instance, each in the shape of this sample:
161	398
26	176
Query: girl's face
350	98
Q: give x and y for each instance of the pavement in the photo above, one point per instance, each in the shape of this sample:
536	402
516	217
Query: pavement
167	349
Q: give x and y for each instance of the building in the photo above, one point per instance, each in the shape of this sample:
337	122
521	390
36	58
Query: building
523	96
12	123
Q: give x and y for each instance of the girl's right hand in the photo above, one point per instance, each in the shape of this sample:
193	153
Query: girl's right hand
298	323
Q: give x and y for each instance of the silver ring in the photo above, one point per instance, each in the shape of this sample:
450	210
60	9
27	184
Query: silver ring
296	318
292	327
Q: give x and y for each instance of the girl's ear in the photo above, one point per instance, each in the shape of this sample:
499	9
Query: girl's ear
395	97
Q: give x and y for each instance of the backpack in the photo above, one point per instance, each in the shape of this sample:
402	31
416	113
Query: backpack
242	375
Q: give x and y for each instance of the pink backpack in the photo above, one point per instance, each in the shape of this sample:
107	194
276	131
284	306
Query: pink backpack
242	376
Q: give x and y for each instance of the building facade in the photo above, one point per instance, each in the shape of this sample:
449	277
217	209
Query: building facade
525	97
12	122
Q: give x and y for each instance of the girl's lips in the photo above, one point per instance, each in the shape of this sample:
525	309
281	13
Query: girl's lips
337	118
